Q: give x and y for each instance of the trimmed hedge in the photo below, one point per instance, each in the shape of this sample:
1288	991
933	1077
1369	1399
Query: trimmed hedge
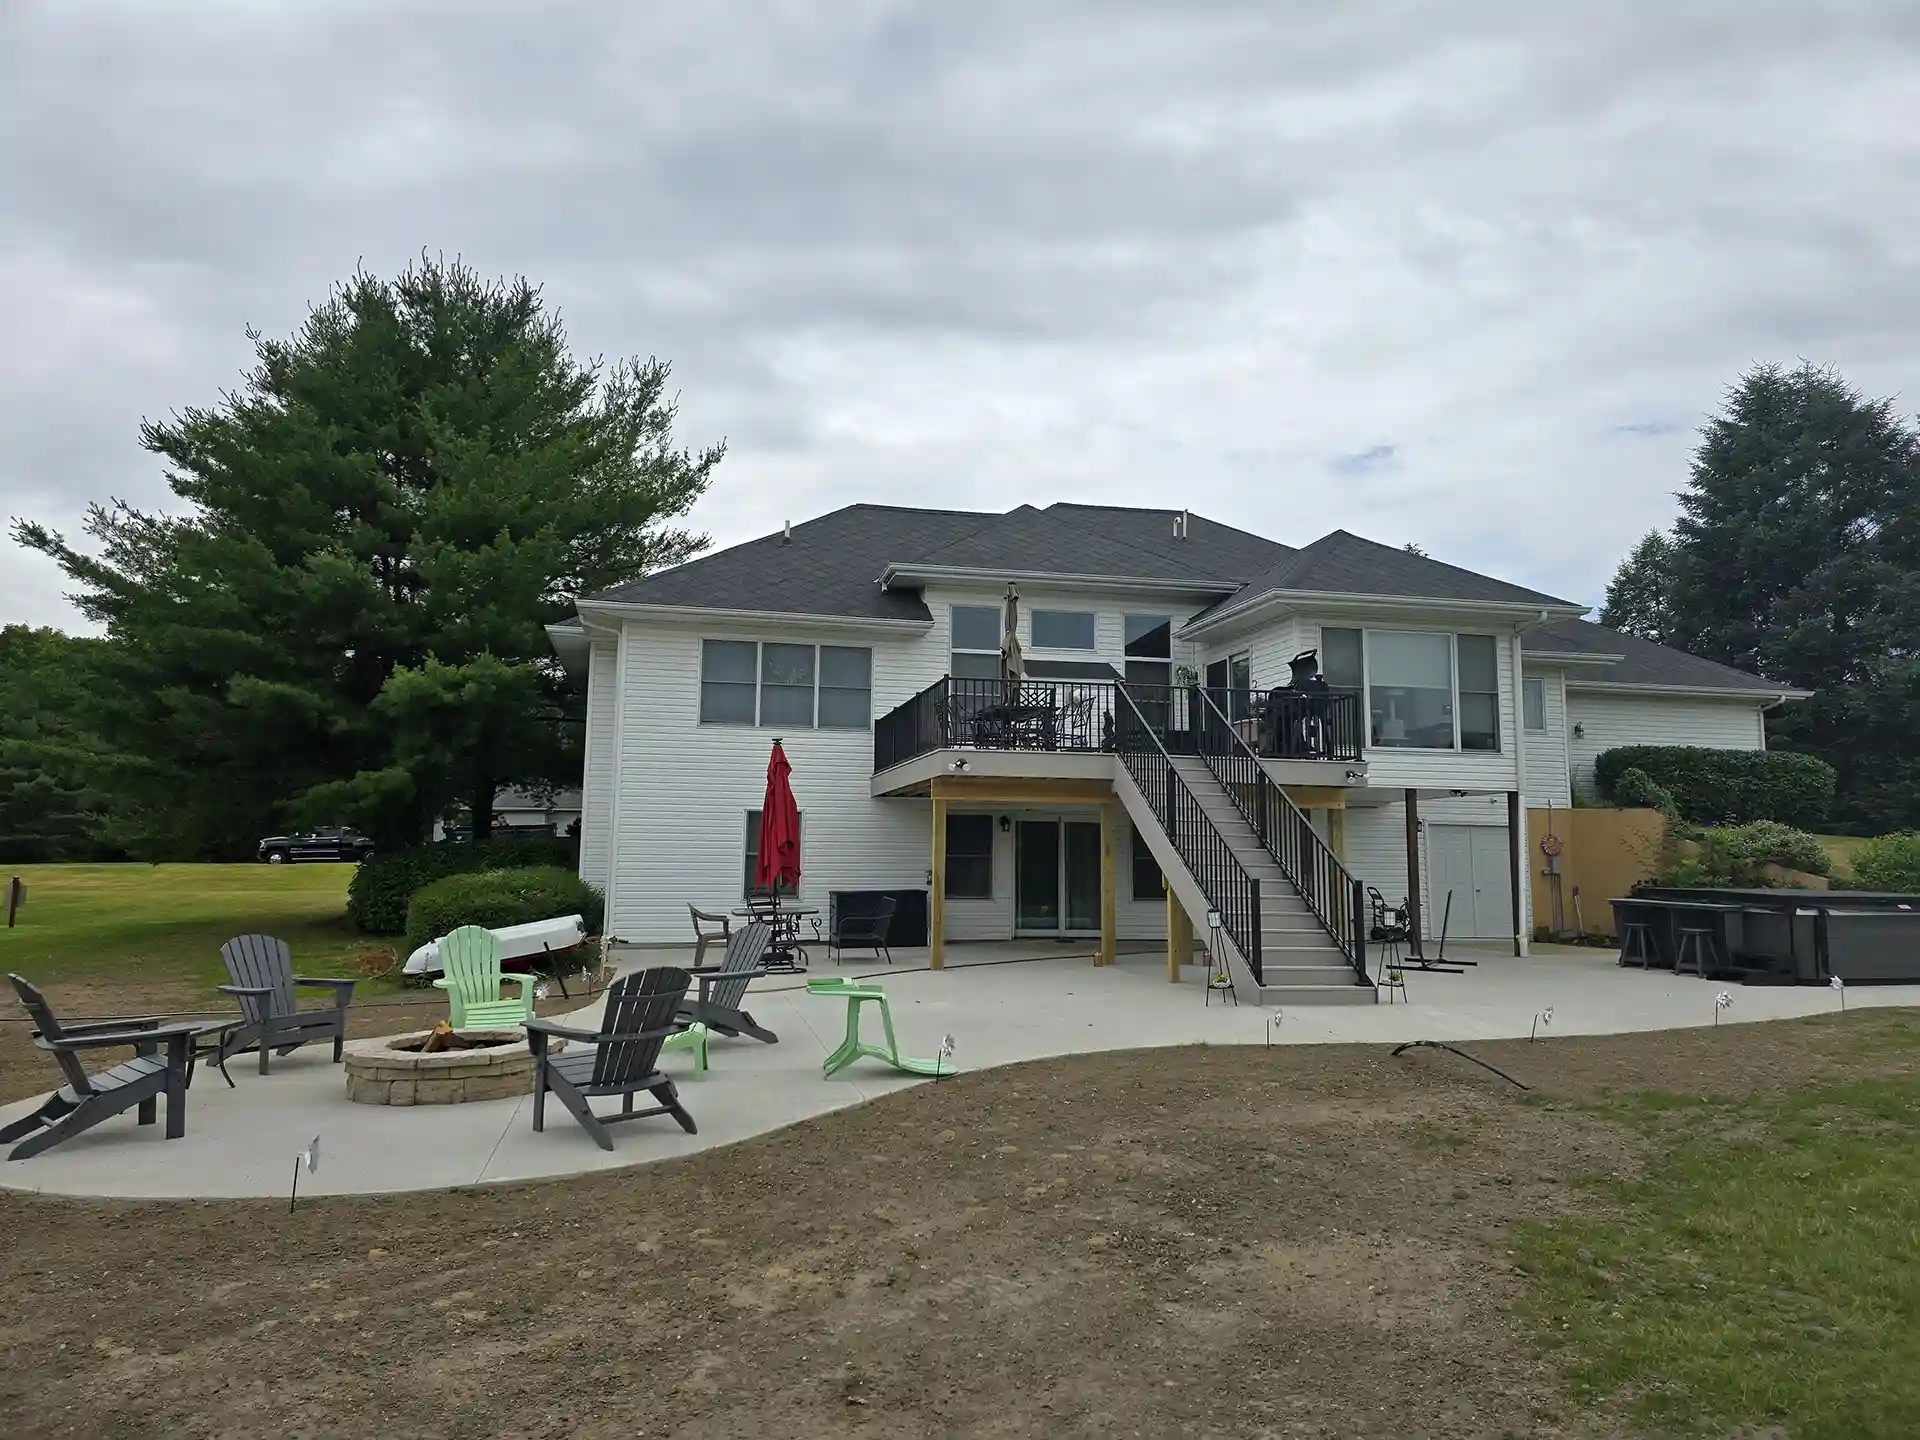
1727	787
384	883
1637	788
494	898
1889	862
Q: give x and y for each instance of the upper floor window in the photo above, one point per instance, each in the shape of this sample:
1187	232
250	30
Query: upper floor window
1063	629
1533	702
1425	690
1479	660
791	687
976	642
1149	643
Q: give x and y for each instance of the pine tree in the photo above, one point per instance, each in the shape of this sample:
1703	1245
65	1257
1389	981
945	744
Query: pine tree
1639	597
346	622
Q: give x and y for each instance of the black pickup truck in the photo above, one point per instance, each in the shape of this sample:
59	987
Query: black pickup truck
323	842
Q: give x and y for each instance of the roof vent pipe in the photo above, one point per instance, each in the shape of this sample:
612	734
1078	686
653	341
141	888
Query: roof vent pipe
786	532
1180	525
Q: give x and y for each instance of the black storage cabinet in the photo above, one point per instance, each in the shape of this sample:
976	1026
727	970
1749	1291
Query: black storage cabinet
909	923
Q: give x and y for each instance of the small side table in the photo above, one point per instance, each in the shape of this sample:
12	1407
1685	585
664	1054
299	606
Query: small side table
853	1047
693	1038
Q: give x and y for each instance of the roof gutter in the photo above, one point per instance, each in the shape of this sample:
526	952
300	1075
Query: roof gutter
969	575
617	610
1778	696
1323	599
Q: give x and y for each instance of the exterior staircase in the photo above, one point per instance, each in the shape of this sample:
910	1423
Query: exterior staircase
1299	963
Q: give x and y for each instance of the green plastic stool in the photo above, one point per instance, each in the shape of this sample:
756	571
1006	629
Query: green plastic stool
693	1038
853	1047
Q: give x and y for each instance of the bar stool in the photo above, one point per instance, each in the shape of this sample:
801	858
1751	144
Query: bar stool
1699	944
1636	944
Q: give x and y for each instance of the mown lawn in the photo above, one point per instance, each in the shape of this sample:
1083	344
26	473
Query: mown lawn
165	923
145	939
1763	1268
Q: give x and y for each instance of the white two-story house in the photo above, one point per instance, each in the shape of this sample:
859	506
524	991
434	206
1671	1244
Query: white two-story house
1153	771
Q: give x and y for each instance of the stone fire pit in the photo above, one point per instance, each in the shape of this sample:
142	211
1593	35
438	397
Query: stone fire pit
394	1072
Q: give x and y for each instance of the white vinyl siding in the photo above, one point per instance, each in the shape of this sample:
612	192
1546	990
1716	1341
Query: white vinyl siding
686	787
596	789
1546	780
1612	719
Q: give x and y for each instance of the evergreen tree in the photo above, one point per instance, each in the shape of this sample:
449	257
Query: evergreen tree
1639	595
1797	557
346	623
47	751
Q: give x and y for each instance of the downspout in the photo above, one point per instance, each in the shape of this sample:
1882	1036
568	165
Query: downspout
1523	880
619	770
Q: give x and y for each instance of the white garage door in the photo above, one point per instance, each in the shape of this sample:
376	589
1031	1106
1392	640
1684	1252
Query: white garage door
1472	862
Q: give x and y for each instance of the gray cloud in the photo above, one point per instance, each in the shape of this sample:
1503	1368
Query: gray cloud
1129	252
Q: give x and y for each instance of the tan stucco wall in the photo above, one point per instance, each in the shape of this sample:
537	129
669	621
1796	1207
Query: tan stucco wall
1604	853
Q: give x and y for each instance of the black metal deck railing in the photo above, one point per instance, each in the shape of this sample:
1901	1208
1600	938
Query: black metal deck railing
993	714
1229	889
1337	900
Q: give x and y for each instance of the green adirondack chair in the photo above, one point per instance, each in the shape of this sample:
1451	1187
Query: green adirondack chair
470	965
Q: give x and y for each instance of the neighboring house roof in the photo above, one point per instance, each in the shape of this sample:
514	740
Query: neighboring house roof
1643	663
513	799
1346	564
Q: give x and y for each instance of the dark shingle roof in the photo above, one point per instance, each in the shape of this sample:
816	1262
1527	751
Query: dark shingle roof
1642	662
1102	540
1347	564
831	567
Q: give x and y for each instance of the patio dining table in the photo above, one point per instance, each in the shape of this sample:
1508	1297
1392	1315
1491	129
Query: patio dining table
785	920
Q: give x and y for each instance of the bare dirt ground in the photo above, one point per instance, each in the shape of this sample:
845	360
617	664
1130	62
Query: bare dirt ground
1303	1241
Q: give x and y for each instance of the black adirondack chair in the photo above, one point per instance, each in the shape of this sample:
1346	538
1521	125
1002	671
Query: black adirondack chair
261	969
724	986
623	1060
863	932
85	1100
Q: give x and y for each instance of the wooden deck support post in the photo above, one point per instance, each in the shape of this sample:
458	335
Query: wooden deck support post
1179	936
937	904
1109	886
1516	839
1337	832
1413	874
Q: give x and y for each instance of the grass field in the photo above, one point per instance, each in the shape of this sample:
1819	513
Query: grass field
145	939
165	923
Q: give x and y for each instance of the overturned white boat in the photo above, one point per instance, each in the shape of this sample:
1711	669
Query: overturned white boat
516	942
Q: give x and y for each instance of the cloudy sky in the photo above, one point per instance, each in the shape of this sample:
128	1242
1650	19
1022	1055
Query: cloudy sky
1465	274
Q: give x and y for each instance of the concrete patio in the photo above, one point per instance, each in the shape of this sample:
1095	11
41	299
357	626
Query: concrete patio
1001	1003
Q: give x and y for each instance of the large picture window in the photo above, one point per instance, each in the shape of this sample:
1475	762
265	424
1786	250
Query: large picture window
1410	689
969	857
784	686
1425	690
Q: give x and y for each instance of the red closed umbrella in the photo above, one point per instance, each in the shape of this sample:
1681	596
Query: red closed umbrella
778	860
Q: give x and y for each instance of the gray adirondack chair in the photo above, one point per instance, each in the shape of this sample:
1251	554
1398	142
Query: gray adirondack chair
724	986
264	984
85	1100
622	1059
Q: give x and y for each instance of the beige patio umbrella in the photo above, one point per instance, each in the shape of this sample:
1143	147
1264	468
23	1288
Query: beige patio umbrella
1012	668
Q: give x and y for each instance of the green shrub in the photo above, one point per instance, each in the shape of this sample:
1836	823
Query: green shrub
1768	841
1636	787
1726	787
1889	862
384	883
1733	856
501	897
